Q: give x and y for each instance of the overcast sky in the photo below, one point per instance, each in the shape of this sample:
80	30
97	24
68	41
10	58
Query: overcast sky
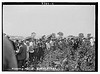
21	20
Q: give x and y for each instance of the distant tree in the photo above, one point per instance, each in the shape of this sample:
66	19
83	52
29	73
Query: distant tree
43	37
53	35
33	34
88	35
81	35
60	34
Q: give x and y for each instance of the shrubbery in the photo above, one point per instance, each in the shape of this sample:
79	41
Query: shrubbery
69	58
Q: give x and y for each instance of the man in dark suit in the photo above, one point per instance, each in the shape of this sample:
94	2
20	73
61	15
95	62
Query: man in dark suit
21	56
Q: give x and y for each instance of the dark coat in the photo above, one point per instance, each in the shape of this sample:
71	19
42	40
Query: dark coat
22	53
9	59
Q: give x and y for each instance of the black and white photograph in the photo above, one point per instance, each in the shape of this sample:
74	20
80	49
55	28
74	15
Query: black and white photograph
50	36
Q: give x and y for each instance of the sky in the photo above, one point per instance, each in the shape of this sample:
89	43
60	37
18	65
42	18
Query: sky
22	20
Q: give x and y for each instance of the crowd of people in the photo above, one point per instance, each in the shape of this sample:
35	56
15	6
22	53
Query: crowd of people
72	53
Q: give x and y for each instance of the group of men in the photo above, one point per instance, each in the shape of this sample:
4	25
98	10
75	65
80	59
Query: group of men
17	54
24	52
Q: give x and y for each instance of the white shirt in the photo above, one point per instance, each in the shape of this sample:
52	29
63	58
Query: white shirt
51	43
31	44
48	45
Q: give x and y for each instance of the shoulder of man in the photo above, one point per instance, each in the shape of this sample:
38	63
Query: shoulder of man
8	53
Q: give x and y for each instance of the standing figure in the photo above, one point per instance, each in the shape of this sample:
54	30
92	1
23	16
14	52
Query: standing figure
21	56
